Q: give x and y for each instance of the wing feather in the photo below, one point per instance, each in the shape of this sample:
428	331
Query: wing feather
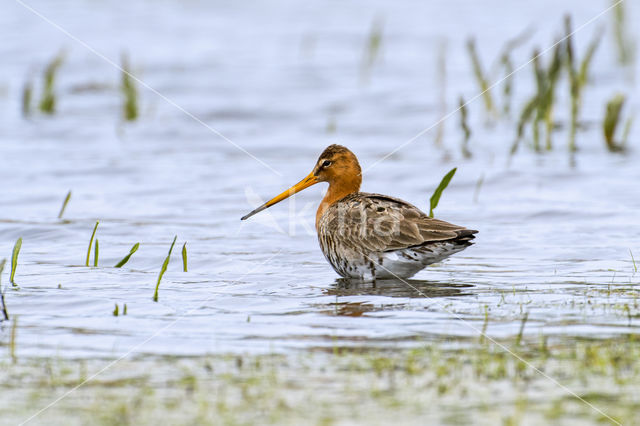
378	223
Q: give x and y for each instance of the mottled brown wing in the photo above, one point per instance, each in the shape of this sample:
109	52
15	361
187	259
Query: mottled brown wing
380	223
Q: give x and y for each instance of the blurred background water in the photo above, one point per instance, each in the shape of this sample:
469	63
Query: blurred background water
237	102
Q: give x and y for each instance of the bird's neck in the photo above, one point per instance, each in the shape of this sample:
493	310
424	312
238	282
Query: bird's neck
337	191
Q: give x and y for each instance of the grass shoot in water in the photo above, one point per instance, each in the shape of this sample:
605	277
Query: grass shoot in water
129	91
64	204
184	257
48	100
12	341
625	44
27	96
435	198
14	261
96	253
93	234
611	121
4	306
165	264
578	76
128	256
466	131
441	84
507	64
372	49
635	267
521	332
115	311
481	78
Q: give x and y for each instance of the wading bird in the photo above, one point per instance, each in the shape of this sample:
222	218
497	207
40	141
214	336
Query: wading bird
372	236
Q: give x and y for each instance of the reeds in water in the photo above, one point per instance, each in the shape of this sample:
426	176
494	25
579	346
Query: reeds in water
625	44
129	92
48	100
578	76
372	49
441	84
611	122
481	79
507	65
27	96
466	131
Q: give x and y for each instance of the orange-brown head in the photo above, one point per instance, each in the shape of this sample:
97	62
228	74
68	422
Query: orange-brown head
336	165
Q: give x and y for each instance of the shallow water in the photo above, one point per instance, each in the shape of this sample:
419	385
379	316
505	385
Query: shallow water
555	232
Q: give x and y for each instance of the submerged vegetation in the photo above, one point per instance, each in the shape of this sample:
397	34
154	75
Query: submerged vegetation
463	383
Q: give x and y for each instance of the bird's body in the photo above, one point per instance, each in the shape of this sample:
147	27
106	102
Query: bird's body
372	236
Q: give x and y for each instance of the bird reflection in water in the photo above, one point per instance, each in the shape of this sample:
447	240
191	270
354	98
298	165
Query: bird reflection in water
388	288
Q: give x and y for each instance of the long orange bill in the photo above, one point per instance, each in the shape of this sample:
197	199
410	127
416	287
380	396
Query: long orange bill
311	179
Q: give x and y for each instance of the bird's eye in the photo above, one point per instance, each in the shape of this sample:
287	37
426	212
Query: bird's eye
326	163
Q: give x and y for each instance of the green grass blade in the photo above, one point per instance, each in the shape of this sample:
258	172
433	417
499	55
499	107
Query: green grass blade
583	74
164	269
635	267
93	234
435	198
64	204
129	91
525	116
115	311
27	95
184	257
521	332
48	100
12	340
464	125
128	256
96	253
2	263
611	121
625	43
481	78
4	306
627	130
14	261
